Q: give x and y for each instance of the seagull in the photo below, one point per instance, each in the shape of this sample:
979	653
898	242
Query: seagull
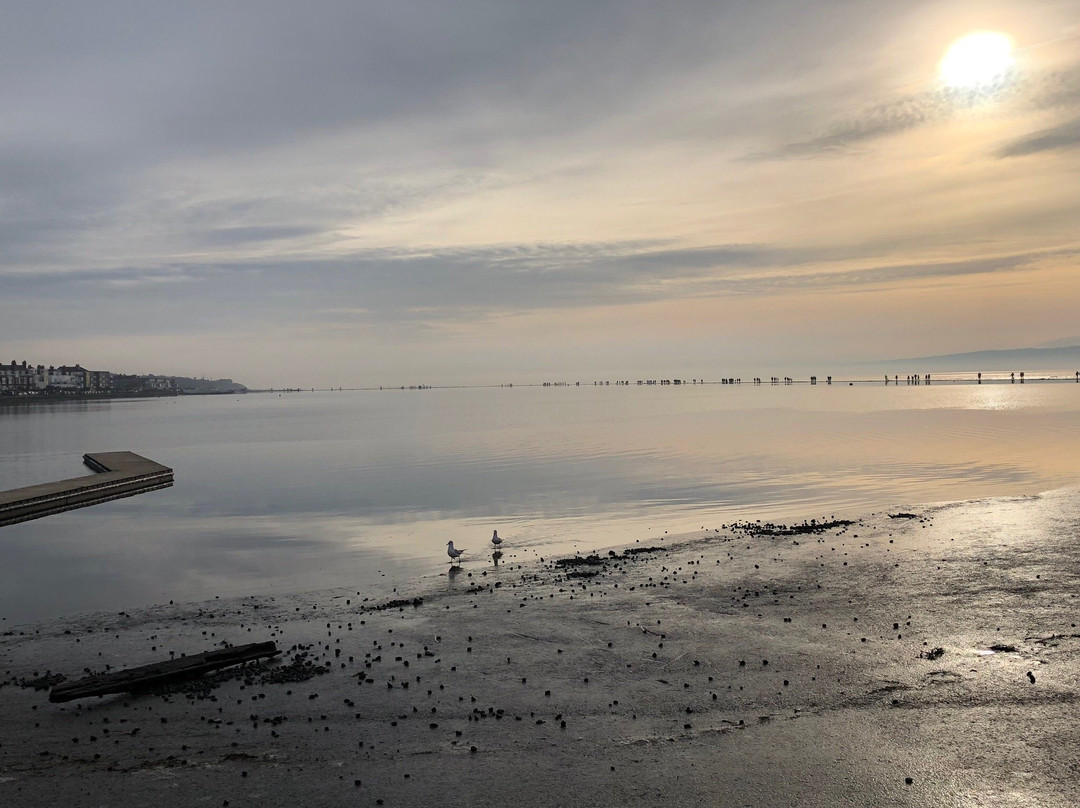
495	538
450	551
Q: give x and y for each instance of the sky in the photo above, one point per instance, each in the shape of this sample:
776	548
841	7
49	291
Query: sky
422	192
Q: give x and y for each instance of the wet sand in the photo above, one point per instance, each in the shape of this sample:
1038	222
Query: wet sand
924	661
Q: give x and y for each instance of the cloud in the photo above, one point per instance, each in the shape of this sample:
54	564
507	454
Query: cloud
901	273
234	236
247	75
1057	138
412	293
118	123
1012	94
884	120
1056	88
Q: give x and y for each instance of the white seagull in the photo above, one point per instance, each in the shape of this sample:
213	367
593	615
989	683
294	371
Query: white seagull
495	538
450	551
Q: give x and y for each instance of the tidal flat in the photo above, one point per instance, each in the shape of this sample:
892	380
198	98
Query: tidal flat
923	656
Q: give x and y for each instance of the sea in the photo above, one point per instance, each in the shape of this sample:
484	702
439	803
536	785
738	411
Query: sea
285	492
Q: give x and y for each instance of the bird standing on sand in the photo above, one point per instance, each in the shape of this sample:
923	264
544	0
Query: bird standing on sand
454	554
495	538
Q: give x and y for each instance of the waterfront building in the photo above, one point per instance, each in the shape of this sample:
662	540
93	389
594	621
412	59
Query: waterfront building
16	379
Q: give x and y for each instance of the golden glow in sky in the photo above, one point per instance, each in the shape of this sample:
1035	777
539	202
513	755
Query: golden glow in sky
975	60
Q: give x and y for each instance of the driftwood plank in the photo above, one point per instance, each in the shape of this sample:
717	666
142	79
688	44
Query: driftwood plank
160	672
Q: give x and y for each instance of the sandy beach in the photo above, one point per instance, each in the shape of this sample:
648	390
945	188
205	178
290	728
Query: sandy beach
925	659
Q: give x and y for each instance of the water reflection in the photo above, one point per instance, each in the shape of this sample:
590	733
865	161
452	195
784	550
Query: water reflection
339	489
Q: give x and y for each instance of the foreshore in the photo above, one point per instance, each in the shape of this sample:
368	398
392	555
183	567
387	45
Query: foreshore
924	658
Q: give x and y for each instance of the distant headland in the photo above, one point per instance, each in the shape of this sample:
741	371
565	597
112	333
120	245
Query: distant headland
1055	357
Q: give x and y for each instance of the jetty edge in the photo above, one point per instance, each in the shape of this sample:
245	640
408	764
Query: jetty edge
118	474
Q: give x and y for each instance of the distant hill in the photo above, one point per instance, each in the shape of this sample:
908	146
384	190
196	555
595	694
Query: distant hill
1063	358
204	386
1067	342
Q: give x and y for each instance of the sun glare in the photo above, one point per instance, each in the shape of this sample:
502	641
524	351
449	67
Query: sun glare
976	60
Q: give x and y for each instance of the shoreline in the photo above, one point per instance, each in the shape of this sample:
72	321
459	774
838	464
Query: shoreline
722	668
57	398
994	377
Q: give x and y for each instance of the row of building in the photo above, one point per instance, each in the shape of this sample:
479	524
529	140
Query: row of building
21	379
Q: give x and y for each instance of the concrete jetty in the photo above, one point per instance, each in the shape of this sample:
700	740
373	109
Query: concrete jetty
119	474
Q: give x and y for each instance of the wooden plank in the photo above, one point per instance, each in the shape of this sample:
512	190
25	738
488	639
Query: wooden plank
160	672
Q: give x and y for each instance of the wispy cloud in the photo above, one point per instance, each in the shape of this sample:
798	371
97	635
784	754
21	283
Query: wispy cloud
1012	94
235	236
1065	136
392	289
886	119
902	273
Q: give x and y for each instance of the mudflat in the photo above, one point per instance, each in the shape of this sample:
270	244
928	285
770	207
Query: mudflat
926	656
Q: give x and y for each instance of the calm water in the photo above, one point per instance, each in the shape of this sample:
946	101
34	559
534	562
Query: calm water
361	489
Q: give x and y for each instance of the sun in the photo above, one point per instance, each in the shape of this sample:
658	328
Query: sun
979	59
